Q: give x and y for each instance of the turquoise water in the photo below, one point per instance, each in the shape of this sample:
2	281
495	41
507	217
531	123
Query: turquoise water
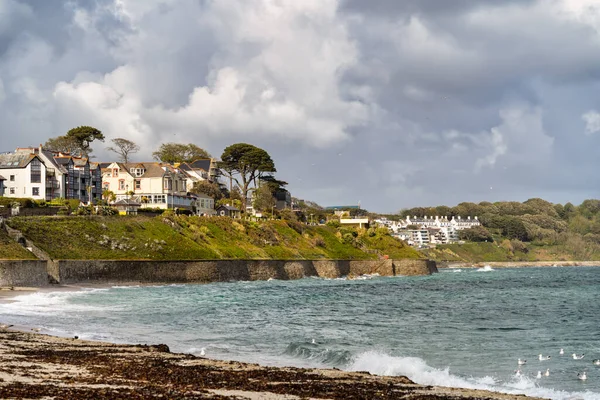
462	328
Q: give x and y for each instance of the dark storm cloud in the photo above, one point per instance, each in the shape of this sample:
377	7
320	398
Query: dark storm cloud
391	103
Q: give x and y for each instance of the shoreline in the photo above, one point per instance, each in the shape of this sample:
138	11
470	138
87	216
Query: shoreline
37	365
515	264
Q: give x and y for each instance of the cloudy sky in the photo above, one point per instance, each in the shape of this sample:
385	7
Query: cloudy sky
391	103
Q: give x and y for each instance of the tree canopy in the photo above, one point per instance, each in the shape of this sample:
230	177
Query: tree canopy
123	148
246	163
178	153
77	141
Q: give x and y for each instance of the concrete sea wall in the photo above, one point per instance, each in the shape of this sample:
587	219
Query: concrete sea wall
39	273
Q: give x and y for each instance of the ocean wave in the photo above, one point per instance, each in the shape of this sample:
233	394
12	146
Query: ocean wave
485	268
316	352
51	303
417	370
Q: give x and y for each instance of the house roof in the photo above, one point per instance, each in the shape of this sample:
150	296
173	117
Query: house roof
201	164
2	178
152	169
15	160
230	208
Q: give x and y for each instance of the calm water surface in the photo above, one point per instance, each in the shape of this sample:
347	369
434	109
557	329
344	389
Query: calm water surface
462	328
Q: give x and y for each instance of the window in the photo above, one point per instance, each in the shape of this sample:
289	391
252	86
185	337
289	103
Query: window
36	171
137	171
158	198
12	178
138	184
12	190
115	172
35	191
168	184
121	184
105	185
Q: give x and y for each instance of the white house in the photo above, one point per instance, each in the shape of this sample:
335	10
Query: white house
430	230
152	184
26	175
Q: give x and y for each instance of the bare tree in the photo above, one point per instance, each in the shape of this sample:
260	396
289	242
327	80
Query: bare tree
123	148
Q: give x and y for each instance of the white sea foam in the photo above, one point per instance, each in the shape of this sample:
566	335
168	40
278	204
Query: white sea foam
485	268
418	371
50	303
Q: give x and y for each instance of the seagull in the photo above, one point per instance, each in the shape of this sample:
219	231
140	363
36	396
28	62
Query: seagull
521	362
539	375
576	357
562	351
313	341
36	329
582	376
518	372
596	362
542	358
547	373
203	351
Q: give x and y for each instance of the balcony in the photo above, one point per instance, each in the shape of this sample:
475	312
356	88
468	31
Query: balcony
50	172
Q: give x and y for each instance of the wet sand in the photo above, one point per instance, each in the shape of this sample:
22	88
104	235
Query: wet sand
39	366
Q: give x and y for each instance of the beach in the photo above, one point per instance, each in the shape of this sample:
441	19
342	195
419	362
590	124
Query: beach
41	366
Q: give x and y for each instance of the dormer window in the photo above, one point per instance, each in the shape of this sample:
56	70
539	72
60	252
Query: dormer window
115	172
137	172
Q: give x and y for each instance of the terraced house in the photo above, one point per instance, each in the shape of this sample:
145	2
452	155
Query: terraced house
151	184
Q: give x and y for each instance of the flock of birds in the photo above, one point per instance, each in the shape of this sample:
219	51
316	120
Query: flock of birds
581	375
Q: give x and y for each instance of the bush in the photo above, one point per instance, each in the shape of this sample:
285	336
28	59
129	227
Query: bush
475	234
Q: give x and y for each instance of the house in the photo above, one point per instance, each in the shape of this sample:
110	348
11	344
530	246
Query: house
152	184
127	206
283	199
228	211
200	170
56	174
204	205
355	222
25	174
2	179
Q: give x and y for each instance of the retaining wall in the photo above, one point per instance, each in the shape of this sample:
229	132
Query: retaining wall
98	271
23	273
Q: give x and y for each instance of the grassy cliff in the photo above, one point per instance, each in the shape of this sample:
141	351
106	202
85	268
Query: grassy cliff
171	237
11	250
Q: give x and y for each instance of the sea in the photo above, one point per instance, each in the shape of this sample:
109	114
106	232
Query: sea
460	327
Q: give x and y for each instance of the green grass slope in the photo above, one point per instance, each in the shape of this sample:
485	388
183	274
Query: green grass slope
178	237
11	250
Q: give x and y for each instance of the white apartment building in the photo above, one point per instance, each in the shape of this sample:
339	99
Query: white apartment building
430	230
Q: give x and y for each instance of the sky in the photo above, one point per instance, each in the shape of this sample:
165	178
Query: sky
390	104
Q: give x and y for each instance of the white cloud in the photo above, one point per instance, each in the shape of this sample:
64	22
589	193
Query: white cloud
276	73
592	122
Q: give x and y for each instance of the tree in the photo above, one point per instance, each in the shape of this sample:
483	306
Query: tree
84	136
263	199
109	196
123	148
77	141
475	234
247	162
210	189
178	153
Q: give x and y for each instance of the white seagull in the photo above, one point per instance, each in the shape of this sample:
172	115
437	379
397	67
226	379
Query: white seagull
539	375
596	362
203	351
582	376
561	352
577	357
518	372
521	362
542	358
547	373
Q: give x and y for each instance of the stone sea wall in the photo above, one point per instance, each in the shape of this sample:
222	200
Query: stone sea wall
39	273
23	273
